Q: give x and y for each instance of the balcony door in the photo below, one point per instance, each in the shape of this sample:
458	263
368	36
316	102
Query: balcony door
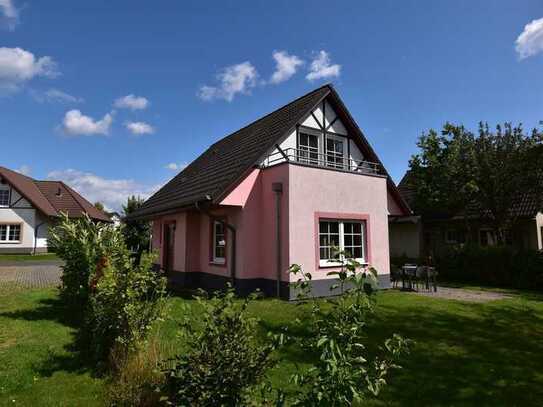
308	149
335	151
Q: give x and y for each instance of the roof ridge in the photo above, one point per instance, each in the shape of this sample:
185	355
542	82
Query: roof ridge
329	85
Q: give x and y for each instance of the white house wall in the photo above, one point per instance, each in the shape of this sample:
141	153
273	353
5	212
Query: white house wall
22	212
539	223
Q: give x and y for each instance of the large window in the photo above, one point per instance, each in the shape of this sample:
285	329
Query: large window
219	242
343	236
10	233
334	152
309	149
4	197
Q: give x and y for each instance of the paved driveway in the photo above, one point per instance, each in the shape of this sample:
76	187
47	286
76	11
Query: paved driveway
30	274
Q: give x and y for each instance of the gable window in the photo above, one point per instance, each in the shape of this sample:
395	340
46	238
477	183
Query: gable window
334	152
309	148
219	243
10	233
344	236
4	197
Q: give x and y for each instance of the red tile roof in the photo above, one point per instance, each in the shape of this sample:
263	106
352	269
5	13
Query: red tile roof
51	197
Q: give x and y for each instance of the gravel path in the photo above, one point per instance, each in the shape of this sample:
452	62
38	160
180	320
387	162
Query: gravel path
30	274
464	295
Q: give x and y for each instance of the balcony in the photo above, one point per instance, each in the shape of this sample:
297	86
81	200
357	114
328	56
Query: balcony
331	161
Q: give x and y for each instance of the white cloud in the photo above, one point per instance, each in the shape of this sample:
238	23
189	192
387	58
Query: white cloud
320	67
9	15
77	124
18	66
55	95
530	41
176	167
233	79
24	169
132	102
139	128
113	193
285	66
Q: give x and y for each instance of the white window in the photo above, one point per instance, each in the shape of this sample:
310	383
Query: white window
4	197
344	236
10	233
309	148
487	237
219	243
335	152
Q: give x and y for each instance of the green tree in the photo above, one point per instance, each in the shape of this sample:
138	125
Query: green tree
457	171
136	232
99	205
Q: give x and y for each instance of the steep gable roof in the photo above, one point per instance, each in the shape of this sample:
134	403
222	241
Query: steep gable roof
51	197
228	161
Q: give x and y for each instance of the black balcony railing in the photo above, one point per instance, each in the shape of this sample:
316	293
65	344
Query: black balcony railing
313	158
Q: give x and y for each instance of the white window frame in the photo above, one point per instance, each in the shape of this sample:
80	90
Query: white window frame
9	197
363	232
333	164
491	237
309	150
214	246
8	228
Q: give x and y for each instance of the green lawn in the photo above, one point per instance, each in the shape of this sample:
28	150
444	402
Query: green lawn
28	257
464	353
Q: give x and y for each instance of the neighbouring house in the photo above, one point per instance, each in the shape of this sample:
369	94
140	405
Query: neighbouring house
29	207
420	236
284	189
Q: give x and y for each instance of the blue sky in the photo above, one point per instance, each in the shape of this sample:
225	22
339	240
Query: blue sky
78	79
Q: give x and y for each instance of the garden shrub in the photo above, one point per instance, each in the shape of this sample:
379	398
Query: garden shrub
496	266
343	374
80	243
224	359
120	300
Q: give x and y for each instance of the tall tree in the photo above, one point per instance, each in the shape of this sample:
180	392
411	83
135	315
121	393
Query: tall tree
456	172
99	205
137	233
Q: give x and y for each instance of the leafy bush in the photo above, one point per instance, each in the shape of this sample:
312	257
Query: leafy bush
126	302
120	299
497	266
225	358
81	243
343	373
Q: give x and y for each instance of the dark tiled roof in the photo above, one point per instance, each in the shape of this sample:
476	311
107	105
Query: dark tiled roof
526	205
227	161
52	197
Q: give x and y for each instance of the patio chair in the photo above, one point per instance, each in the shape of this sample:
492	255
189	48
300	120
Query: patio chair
395	275
421	277
432	278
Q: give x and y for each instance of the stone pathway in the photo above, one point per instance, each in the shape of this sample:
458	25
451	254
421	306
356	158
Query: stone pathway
30	274
464	295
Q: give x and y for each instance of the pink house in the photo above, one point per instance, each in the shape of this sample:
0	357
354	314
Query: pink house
282	190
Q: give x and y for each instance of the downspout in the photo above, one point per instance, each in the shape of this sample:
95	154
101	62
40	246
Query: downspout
232	230
277	187
36	229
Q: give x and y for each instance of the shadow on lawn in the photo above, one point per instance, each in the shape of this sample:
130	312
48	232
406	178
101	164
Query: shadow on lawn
486	355
76	358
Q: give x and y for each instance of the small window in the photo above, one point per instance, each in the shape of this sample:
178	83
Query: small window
309	149
487	238
334	153
343	236
4	197
219	243
10	233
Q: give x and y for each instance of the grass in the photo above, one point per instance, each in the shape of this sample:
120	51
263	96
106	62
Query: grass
464	353
28	257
